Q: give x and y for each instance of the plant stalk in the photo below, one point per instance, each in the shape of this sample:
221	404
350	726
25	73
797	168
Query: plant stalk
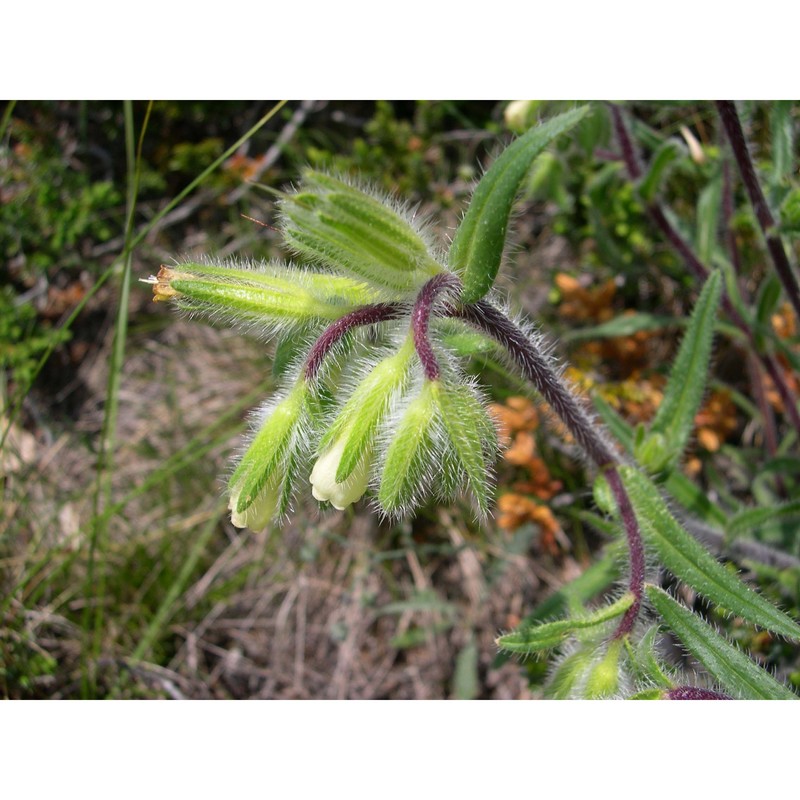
741	154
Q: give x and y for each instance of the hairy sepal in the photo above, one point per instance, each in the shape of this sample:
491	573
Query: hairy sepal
347	228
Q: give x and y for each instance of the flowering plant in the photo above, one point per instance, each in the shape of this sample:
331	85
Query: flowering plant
377	399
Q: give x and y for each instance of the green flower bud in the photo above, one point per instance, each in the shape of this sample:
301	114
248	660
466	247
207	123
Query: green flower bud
345	228
262	509
269	462
268	298
603	679
355	427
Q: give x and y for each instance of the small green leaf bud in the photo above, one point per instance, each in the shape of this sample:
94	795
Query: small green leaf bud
266	299
347	229
263	467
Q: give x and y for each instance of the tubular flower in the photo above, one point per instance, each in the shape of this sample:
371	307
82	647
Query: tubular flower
324	485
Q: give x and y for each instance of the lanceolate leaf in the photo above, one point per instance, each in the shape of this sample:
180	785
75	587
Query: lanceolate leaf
663	157
708	215
687	380
686	558
751	519
551	634
477	247
732	668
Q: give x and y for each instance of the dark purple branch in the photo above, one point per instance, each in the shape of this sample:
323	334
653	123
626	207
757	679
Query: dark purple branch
727	213
733	127
366	315
626	144
421	315
635	551
536	368
694	693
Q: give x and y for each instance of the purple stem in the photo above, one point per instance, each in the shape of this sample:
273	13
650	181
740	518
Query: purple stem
733	127
537	369
366	315
635	551
420	319
694	693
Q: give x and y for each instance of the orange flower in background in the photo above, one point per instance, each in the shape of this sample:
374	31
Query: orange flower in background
516	510
715	421
583	304
517	418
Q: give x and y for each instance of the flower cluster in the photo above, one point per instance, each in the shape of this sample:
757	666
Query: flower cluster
376	398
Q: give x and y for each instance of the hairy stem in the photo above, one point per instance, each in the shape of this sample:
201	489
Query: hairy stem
420	319
537	369
741	153
635	551
694	693
366	315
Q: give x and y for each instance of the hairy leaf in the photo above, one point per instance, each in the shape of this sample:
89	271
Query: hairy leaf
732	668
477	247
551	634
687	380
686	558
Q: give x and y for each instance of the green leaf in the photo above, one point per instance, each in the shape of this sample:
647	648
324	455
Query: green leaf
623	325
688	560
687	380
551	634
596	579
732	668
646	663
477	247
615	423
709	205
664	156
782	127
751	519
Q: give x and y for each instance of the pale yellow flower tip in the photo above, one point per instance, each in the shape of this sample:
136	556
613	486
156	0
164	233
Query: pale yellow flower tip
257	515
323	479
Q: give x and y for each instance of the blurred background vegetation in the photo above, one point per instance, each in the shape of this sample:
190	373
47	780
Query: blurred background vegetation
121	575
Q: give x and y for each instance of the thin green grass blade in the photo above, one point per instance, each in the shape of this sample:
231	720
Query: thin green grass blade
684	393
167	608
732	668
666	154
551	634
133	243
782	128
709	205
477	247
687	559
95	588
